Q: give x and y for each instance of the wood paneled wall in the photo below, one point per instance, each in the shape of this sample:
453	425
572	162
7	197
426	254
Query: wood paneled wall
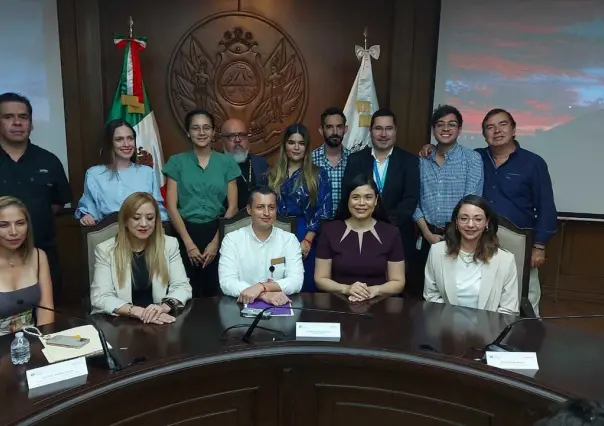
325	33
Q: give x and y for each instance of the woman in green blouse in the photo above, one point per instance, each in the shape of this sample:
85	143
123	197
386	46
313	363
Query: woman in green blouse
197	183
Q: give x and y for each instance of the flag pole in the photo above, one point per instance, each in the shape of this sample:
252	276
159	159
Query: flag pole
364	34
131	23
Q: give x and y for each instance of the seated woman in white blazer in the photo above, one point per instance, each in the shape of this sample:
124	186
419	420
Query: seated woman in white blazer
139	273
469	268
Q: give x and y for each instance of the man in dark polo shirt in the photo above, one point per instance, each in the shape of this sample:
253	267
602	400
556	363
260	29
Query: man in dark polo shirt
34	175
234	135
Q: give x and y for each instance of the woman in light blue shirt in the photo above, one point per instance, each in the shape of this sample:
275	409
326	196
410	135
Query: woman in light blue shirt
106	186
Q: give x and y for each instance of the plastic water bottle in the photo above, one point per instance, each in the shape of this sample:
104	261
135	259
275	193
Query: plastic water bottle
19	349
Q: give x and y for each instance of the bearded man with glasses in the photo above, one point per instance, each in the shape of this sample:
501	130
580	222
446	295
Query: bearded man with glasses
235	139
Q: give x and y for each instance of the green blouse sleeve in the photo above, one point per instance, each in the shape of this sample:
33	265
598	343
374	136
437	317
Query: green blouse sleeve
232	169
172	167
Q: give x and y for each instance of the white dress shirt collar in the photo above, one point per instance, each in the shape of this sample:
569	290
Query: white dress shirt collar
387	156
255	237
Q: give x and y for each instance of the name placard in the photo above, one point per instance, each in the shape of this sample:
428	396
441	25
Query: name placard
518	362
57	372
318	331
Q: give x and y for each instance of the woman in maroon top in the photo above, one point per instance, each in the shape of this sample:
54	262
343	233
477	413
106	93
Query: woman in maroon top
360	254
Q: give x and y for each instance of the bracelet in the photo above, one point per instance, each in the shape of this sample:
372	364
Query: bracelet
308	241
539	248
189	251
130	311
264	287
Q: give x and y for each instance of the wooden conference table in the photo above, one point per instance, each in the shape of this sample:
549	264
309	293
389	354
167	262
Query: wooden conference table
412	363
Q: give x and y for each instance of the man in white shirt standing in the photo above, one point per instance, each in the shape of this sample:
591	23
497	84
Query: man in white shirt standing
261	261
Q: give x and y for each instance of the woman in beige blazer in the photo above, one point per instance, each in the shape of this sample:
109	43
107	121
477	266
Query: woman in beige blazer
469	268
139	273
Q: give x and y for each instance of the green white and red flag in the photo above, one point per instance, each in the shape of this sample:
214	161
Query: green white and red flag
131	103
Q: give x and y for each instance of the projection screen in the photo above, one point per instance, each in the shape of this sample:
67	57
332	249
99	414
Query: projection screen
543	60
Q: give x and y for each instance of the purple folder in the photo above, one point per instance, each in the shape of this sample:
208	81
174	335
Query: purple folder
280	311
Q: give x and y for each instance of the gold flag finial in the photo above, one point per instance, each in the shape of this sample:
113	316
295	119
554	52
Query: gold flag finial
365	35
130	24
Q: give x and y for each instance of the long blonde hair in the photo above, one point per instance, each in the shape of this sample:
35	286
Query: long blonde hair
309	176
27	248
154	250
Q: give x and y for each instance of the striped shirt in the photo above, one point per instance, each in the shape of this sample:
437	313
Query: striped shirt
441	188
335	174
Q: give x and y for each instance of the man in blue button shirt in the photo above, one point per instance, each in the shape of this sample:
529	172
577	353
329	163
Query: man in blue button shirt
518	186
447	174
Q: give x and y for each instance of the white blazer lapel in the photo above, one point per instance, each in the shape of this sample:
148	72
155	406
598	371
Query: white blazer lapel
159	288
487	280
124	293
449	278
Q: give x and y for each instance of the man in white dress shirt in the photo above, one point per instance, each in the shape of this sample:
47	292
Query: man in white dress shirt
261	261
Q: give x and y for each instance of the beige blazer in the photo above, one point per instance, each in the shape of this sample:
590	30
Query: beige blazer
106	295
498	288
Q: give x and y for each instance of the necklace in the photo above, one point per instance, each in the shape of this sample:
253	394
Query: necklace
467	258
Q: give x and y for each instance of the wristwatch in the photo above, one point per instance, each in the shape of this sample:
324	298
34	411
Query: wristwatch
172	303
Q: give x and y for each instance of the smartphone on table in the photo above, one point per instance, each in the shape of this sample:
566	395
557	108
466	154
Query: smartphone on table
68	342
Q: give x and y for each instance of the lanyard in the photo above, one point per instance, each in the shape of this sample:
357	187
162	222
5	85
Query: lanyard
248	181
378	179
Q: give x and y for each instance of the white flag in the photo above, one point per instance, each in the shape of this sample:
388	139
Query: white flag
362	101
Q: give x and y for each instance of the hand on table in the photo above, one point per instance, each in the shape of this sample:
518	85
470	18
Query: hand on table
369	293
250	294
275	298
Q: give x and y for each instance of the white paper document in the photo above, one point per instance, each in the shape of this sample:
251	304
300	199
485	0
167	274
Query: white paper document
318	331
518	362
58	353
56	372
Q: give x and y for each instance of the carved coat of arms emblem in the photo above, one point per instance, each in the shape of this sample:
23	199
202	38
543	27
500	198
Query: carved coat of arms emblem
253	72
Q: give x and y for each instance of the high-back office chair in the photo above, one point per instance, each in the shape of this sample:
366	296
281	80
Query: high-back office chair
519	242
94	235
242	219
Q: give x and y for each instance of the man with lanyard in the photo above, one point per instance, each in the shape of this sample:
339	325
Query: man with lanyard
396	174
447	175
235	139
34	175
332	155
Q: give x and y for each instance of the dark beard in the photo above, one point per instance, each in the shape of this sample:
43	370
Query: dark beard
333	142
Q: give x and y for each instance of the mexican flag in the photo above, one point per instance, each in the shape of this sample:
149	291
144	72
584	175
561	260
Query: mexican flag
131	103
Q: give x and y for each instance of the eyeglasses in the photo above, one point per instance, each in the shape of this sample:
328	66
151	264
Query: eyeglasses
380	129
478	220
232	136
197	129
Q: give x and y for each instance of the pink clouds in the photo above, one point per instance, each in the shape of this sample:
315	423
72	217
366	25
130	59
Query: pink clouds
527	121
538	105
505	67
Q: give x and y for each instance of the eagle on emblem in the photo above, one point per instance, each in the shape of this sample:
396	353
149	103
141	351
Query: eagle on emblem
144	158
